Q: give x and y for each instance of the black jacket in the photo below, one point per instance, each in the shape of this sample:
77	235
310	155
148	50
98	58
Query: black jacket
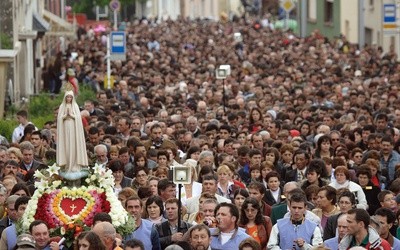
269	198
330	227
371	194
165	232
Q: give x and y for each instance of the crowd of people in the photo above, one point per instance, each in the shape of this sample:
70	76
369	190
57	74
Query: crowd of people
301	137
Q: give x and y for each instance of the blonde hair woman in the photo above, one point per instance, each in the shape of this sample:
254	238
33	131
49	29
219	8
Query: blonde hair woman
226	186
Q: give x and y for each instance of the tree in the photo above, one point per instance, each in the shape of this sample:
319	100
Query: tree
86	6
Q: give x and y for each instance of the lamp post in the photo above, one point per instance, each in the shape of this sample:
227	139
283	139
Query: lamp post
181	175
222	72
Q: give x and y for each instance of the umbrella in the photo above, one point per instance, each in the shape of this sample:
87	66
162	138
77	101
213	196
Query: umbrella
99	28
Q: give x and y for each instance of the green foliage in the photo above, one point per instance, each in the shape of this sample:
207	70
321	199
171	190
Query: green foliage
7	127
127	228
41	109
41	120
86	6
85	93
5	41
42	105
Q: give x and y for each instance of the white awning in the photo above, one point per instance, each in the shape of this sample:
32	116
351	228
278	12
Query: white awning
59	26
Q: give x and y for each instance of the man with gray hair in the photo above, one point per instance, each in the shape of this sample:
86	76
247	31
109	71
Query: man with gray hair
192	126
206	159
106	232
101	152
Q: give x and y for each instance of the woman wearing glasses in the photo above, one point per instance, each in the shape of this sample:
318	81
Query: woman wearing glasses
252	220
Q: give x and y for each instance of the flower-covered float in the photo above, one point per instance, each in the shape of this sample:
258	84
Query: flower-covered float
69	193
70	210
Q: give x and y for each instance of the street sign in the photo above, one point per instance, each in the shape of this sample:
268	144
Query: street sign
287	5
115	5
389	19
118	45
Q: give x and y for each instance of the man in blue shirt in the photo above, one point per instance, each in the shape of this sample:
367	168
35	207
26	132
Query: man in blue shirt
227	235
145	229
296	232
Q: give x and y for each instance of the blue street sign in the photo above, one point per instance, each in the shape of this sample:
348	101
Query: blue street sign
389	13
118	42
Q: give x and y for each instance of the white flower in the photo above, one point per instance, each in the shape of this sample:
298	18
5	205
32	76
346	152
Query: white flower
53	170
104	183
56	184
97	168
39	175
41	185
108	174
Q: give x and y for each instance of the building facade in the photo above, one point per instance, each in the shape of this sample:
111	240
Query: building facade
342	17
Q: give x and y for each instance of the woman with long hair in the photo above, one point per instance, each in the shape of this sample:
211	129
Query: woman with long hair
273	155
139	161
89	241
324	147
255	120
305	130
239	196
252	220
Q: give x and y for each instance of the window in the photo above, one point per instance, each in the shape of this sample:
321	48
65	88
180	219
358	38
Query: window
312	10
328	10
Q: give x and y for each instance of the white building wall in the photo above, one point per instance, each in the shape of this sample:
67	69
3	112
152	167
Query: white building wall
349	20
373	19
146	9
188	8
201	9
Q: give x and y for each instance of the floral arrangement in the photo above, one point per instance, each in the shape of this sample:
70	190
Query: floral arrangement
70	210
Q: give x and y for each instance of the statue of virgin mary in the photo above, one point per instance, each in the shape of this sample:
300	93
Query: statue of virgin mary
71	144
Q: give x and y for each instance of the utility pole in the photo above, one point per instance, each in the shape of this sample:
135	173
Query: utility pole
303	18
